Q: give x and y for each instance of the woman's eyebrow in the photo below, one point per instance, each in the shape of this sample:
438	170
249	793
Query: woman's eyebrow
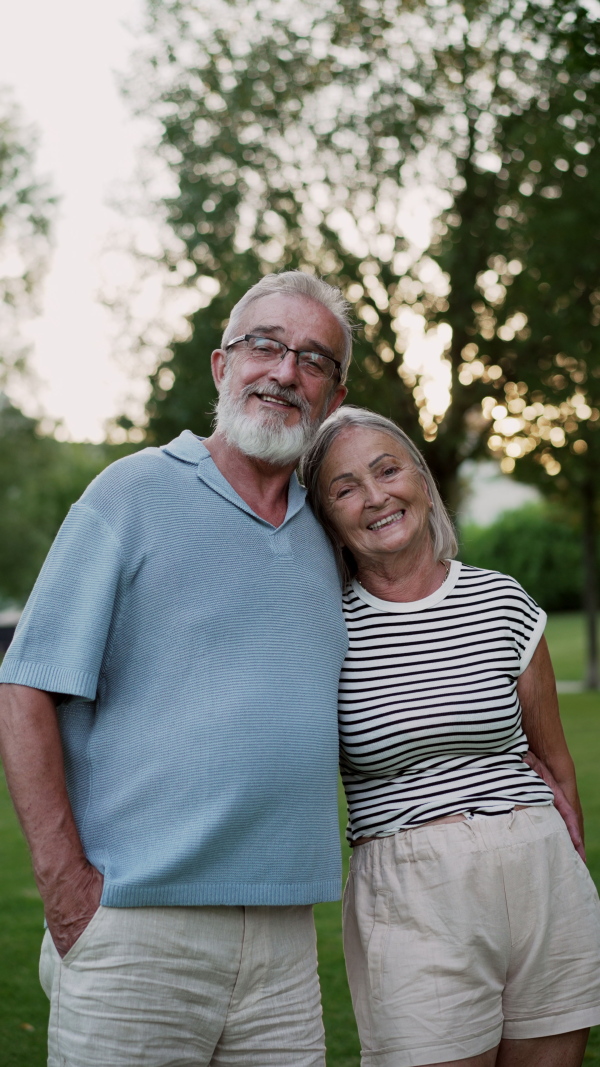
348	474
383	455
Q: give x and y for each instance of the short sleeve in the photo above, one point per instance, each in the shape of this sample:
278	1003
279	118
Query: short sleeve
60	641
527	621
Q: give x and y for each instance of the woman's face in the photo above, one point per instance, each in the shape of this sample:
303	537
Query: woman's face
375	496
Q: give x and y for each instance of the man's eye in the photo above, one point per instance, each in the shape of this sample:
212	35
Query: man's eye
262	344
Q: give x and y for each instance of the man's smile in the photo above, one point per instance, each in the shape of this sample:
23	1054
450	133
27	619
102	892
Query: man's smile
267	398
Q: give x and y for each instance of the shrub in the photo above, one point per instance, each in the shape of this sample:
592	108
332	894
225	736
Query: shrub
538	547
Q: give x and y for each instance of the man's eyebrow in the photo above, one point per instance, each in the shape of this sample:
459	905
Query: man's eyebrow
267	329
310	346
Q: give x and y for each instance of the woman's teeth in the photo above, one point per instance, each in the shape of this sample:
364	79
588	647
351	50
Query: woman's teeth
386	522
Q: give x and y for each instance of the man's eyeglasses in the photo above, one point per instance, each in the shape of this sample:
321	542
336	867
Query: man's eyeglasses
266	350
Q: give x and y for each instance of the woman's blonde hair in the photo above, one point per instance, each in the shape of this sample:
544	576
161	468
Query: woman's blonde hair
349	417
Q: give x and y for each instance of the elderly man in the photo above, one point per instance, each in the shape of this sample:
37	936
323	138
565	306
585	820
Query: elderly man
168	722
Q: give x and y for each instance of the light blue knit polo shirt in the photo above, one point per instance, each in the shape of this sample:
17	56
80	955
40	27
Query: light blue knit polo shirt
201	647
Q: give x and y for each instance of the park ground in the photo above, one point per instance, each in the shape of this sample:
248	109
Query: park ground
23	1007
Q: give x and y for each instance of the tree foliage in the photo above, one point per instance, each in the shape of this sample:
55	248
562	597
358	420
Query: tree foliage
39	480
26	211
294	132
506	546
539	305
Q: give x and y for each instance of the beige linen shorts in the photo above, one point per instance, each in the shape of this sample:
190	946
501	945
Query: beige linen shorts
197	986
459	934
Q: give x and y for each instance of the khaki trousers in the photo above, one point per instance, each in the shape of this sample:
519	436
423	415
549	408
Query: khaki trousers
183	986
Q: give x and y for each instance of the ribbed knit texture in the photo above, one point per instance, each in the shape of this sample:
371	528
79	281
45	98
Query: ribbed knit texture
201	648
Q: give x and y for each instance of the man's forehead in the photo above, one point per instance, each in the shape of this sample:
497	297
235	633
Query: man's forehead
283	311
282	304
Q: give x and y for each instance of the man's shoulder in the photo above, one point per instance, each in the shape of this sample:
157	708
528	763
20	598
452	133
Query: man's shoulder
134	484
125	473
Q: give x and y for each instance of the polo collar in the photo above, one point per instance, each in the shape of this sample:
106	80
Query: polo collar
190	449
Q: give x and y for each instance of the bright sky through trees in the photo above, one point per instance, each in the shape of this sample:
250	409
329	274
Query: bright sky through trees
60	60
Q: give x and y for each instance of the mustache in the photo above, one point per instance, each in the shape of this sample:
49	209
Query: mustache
281	392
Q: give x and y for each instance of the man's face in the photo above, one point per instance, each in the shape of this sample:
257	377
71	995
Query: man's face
272	411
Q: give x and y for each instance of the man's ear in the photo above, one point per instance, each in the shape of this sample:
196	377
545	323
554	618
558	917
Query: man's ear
218	360
336	399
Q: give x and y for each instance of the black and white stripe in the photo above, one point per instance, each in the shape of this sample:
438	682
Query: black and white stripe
430	721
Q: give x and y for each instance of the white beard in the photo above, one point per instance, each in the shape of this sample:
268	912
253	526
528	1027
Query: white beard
264	435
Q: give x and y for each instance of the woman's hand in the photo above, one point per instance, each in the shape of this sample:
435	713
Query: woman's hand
561	803
549	756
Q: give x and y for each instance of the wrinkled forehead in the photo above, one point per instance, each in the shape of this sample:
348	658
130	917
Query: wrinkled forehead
294	316
363	446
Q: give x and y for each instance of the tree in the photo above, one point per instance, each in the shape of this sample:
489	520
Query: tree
540	295
505	546
40	478
26	211
293	133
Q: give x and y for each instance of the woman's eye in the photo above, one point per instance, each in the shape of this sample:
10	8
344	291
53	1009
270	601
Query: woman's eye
390	470
344	491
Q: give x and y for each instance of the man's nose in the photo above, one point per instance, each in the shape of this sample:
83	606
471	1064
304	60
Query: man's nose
286	371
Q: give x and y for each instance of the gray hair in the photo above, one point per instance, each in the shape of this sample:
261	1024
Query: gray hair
297	283
440	525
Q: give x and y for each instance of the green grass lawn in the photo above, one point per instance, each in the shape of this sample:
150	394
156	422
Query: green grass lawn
566	640
23	1007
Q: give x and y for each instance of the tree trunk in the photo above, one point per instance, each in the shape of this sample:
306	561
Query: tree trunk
590	582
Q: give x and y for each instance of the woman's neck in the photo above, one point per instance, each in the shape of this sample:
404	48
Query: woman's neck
401	579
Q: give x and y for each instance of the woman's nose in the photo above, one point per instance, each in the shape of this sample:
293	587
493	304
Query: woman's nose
376	495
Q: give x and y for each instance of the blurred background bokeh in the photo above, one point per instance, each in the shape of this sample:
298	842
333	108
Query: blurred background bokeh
437	160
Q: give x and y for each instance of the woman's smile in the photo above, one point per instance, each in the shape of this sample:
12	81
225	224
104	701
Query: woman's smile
376	497
389	519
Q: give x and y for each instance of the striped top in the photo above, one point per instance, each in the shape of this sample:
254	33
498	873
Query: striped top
430	721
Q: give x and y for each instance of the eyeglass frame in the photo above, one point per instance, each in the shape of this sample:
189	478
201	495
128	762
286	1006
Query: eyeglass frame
297	352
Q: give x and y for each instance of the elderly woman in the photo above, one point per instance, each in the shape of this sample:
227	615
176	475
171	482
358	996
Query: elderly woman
471	925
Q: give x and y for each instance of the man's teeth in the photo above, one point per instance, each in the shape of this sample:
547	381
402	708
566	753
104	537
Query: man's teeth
273	400
386	522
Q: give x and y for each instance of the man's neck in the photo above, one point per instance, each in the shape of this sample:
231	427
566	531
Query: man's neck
263	486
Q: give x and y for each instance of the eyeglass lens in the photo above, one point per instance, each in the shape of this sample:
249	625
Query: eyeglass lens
315	363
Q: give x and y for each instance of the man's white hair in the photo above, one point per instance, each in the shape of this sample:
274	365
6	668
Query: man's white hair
297	283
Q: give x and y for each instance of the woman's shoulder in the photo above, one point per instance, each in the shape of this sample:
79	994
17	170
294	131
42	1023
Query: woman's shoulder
484	575
495	583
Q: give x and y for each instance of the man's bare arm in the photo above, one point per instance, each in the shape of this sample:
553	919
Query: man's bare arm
541	722
31	751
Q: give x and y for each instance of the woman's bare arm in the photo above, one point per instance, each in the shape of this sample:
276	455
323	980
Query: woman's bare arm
536	689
